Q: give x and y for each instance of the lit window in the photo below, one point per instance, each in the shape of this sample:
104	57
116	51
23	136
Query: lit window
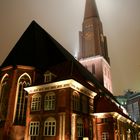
34	128
80	128
49	101
105	136
21	104
4	96
76	101
50	127
36	102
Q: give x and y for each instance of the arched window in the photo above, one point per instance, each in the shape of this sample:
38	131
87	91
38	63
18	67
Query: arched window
50	127
36	102
4	96
80	128
49	101
76	101
21	103
34	128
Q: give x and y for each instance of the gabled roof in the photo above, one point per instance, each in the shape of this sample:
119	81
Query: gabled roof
39	49
36	48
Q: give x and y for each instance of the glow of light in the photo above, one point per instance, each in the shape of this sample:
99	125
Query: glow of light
59	85
85	138
100	115
73	126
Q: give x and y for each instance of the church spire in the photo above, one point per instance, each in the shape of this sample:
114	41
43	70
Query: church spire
92	40
93	52
90	9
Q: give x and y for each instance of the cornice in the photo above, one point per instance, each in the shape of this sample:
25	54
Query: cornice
70	83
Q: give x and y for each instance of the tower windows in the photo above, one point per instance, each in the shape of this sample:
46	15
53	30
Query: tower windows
49	101
93	68
50	127
36	102
21	103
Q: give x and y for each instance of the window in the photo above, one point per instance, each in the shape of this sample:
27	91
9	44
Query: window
91	129
34	128
93	68
36	102
76	101
48	76
105	120
49	101
4	96
105	136
80	128
50	127
136	111
84	104
21	103
130	110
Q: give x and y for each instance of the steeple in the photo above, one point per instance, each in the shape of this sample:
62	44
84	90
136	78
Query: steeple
93	52
90	9
92	40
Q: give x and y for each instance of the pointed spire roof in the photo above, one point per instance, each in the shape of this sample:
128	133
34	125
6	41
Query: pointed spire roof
90	9
36	48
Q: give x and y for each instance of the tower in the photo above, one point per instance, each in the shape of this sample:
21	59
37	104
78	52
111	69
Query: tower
93	53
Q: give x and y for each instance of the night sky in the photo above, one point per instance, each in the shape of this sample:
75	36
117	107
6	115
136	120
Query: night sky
63	20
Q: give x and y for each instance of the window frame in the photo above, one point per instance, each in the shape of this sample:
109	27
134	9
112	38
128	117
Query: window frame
35	127
4	96
21	100
49	101
105	135
50	127
36	102
80	127
76	101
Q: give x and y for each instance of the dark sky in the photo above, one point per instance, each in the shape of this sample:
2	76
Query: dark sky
63	20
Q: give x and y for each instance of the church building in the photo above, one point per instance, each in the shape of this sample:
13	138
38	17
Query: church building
46	94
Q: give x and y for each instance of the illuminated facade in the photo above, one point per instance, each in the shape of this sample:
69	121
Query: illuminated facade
93	52
46	94
55	98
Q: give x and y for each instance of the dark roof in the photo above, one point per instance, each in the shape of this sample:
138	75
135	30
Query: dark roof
36	48
39	49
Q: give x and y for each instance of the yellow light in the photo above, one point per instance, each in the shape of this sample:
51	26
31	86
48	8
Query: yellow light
85	138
